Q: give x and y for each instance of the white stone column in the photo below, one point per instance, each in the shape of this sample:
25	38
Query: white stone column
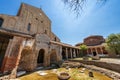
91	51
74	54
61	52
96	51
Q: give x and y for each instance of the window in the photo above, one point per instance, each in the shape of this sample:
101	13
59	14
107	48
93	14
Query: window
1	22
55	39
41	21
45	31
28	27
36	18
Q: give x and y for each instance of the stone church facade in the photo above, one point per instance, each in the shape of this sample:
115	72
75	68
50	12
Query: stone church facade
26	41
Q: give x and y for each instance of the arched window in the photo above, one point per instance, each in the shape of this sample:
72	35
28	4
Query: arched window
1	22
29	27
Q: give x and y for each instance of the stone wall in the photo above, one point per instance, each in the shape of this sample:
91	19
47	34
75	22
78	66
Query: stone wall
110	66
29	57
58	52
54	37
9	21
28	60
27	14
40	23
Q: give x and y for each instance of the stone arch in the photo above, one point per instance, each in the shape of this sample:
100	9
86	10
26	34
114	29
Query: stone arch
94	54
41	55
53	56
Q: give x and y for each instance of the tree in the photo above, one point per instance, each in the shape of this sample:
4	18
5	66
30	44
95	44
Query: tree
113	43
77	5
83	48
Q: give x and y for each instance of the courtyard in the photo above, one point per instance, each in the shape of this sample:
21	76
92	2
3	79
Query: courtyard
43	44
76	74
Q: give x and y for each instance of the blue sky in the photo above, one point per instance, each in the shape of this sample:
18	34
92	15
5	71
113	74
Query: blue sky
94	20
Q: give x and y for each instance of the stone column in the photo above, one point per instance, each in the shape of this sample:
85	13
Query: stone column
74	55
66	53
101	50
87	52
77	52
96	51
61	52
91	51
71	52
13	55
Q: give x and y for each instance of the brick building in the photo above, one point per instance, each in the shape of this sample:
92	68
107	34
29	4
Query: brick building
27	42
95	45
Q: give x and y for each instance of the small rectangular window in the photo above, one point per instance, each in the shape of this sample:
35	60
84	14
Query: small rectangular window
45	31
29	27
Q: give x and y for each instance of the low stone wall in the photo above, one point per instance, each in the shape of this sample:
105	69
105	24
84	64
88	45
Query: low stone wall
109	73
107	65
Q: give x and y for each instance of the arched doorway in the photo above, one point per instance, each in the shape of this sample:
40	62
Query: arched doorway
53	56
94	54
40	59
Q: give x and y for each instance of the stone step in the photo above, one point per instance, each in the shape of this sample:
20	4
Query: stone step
20	73
39	68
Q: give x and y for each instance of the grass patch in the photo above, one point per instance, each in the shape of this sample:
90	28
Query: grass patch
88	58
74	73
